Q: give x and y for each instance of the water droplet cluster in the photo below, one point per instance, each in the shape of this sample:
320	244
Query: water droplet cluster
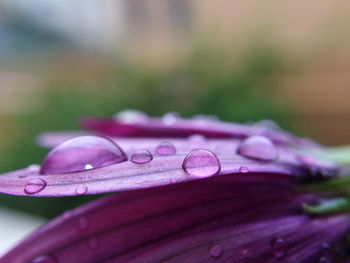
92	152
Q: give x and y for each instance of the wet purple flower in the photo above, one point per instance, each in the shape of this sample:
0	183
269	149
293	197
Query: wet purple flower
207	192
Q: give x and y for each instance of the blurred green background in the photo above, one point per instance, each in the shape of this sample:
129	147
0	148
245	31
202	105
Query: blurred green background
240	61
204	82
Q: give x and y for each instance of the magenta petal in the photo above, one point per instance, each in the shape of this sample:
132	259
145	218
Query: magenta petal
172	125
183	165
220	218
93	165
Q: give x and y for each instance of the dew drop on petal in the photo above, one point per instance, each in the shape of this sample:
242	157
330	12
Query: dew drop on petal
92	243
81	153
35	186
131	116
165	148
44	259
243	170
215	251
201	163
259	148
170	118
81	189
141	156
279	247
88	167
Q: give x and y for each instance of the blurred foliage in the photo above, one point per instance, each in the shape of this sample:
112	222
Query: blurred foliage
206	81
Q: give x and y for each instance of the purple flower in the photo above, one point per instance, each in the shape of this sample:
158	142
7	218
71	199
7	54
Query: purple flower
223	194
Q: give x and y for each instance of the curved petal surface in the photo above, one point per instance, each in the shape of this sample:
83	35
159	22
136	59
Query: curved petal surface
220	219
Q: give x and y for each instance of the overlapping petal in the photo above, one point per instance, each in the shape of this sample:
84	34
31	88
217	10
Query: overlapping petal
138	124
247	218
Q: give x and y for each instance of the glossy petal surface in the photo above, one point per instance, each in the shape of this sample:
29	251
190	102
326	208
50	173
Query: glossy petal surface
219	219
161	170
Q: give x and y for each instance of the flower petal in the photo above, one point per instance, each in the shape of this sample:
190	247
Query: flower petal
180	127
240	216
161	170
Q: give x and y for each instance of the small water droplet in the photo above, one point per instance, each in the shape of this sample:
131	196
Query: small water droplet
83	223
92	243
279	247
23	176
205	120
243	170
201	163
88	167
33	167
170	118
141	156
81	153
81	189
131	116
215	251
259	148
165	148
44	259
270	124
35	186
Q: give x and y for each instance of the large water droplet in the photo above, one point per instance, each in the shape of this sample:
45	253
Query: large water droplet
131	116
279	247
141	156
44	259
201	163
258	148
165	148
215	251
35	186
81	153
